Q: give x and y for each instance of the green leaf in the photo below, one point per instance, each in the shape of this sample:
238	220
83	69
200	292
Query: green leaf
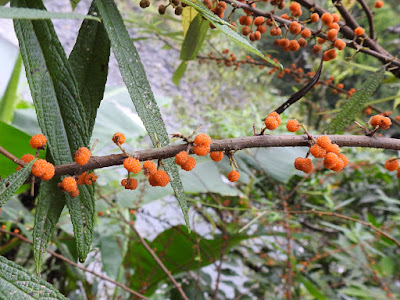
134	76
37	14
22	285
194	38
4	2
16	142
311	288
74	3
356	103
10	184
60	110
179	254
9	99
188	14
178	74
89	62
230	31
111	255
50	204
397	102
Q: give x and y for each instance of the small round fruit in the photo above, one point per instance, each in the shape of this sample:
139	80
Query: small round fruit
82	156
217	155
190	164
233	176
68	184
392	165
132	165
202	139
39	167
27	158
149	168
201	150
317	151
118	138
293	125
38	141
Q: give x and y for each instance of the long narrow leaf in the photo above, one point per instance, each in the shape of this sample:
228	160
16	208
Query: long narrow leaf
89	62
19	283
36	14
9	99
61	112
356	103
134	76
10	184
51	202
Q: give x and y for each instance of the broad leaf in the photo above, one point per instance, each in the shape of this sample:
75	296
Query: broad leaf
134	76
50	204
60	110
10	184
188	14
356	103
194	38
9	99
230	31
19	283
89	62
36	14
179	254
178	74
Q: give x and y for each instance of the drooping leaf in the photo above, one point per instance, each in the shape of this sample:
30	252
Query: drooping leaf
188	14
230	31
356	103
179	254
89	62
37	14
9	99
10	184
59	107
194	38
178	74
19	283
50	204
134	76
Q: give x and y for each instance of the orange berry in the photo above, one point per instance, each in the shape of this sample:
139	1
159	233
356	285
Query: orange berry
383	122
294	27
344	159
339	166
248	20
81	179
16	230
392	165
132	165
160	178
257	35
292	125
333	148
217	155
275	31
378	4
118	138
245	30
38	141
294	45
302	42
359	31
276	116
262	29
316	49
124	182
49	172
190	164
233	176
314	17
368	111
202	139
82	156
100	213
242	19
90	178
327	18
332	34
294	6
303	164
201	150
149	167
334	26
39	167
317	151
271	123
340	86
331	160
329	54
68	184
26	158
181	158
324	141
131	184
339	44
305	33
336	17
258	21
74	193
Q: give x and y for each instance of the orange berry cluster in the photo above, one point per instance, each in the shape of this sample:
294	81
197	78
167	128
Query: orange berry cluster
86	178
393	165
69	185
381	121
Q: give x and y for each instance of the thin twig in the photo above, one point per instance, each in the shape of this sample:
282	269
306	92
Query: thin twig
219	270
12	157
148	248
370	18
21	237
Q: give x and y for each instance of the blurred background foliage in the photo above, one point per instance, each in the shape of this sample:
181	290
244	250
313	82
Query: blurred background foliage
238	248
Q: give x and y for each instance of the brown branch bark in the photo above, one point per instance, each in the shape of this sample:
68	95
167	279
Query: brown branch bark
370	18
264	141
12	157
24	239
